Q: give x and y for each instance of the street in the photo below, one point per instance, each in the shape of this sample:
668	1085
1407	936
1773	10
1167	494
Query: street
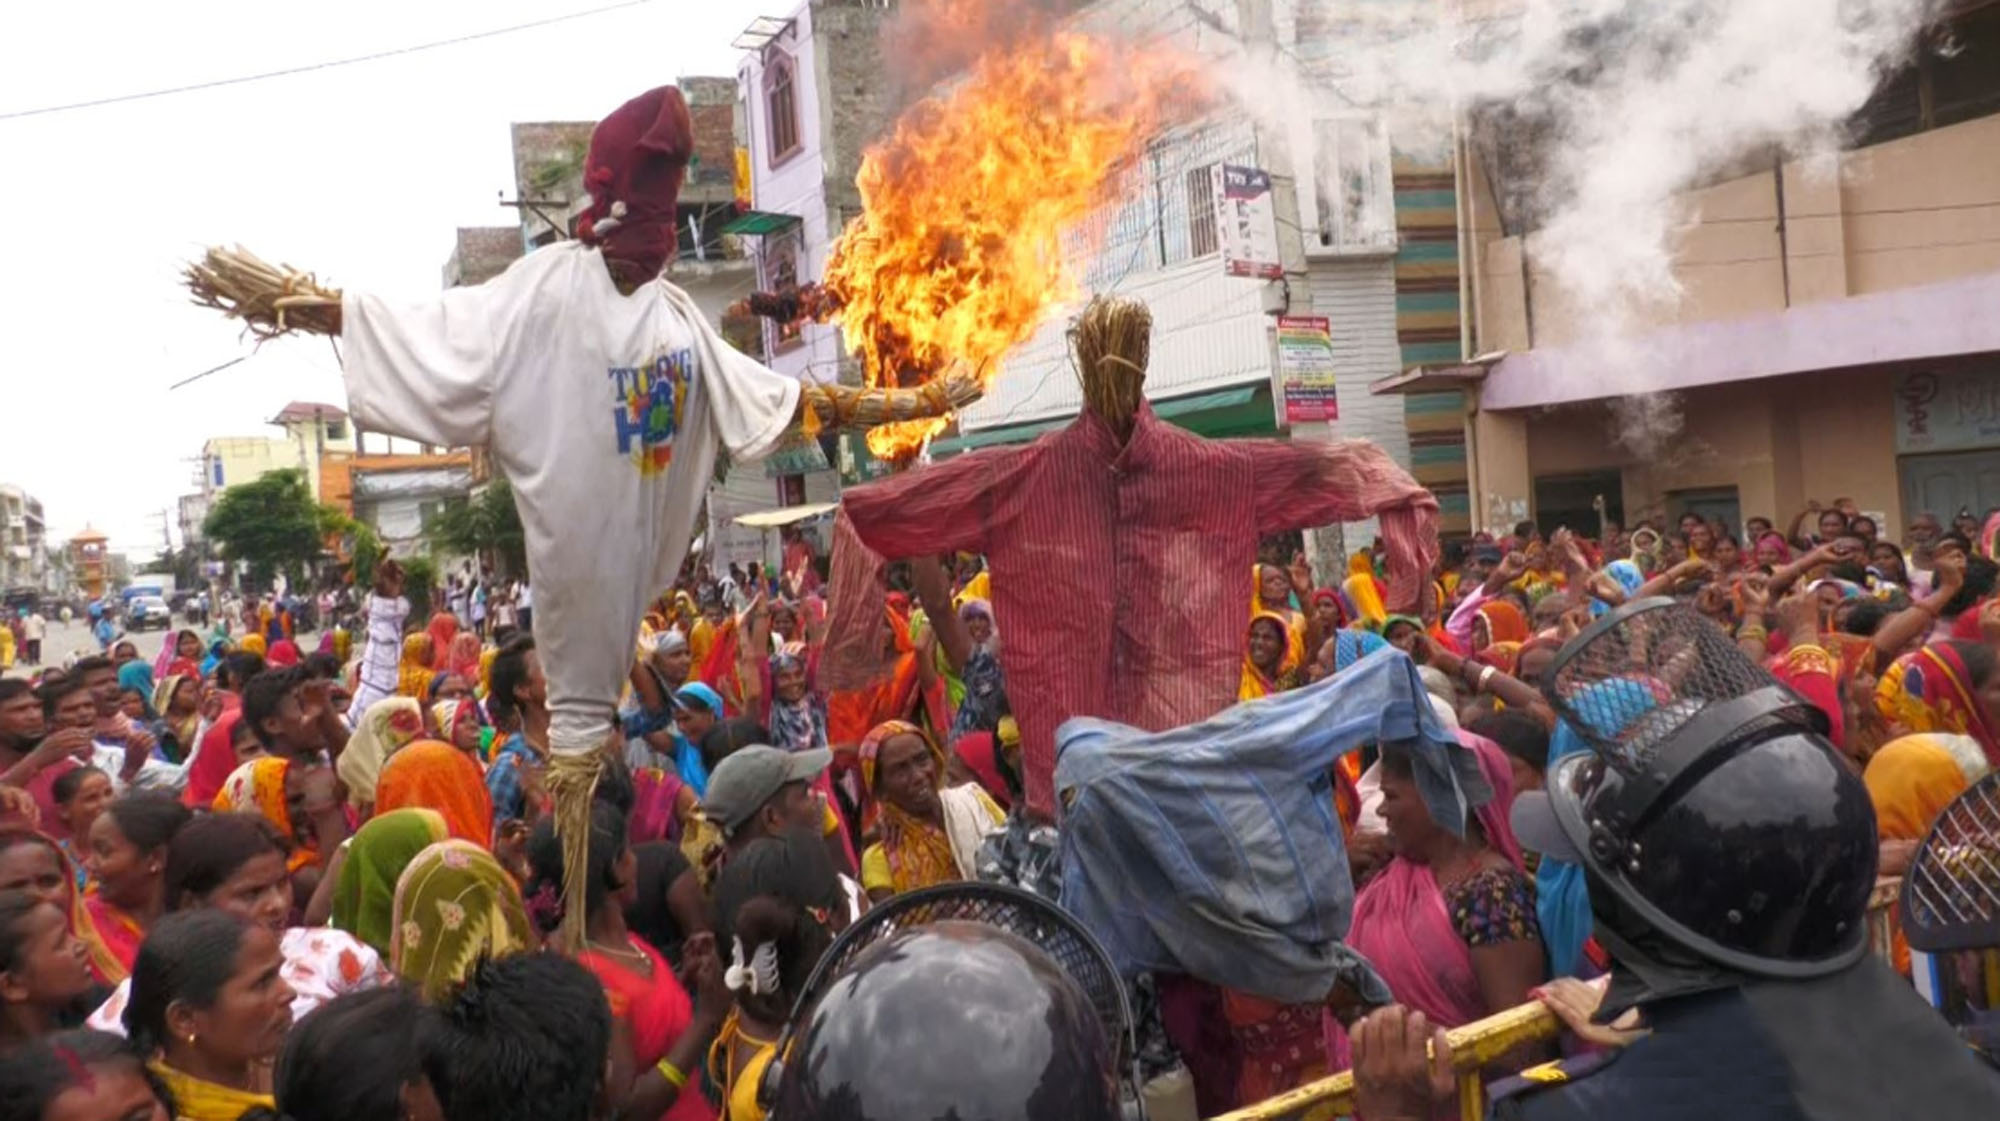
64	639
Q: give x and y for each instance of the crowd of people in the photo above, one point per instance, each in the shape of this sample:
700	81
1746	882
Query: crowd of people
237	878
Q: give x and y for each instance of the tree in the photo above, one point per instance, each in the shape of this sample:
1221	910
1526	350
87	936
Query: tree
183	564
420	579
272	524
486	526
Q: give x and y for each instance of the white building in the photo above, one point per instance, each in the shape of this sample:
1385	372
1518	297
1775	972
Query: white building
24	558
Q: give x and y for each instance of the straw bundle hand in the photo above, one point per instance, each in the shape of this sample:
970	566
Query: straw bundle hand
271	300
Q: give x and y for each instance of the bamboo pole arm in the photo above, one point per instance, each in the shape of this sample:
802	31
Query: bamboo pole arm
845	408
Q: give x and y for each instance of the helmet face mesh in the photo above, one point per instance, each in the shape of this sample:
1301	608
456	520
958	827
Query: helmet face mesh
1029	917
1951	894
1633	679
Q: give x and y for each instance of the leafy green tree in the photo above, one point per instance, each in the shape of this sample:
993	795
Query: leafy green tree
420	579
271	524
486	526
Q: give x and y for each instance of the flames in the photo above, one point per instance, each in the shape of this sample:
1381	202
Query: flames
959	252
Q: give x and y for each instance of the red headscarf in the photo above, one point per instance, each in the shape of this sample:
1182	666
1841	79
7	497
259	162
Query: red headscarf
443	628
638	156
214	758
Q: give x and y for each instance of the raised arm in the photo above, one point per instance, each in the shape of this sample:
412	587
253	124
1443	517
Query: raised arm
934	592
1664	583
1783	579
1916	620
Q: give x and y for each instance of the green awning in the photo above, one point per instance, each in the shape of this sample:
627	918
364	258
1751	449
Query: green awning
1194	413
761	223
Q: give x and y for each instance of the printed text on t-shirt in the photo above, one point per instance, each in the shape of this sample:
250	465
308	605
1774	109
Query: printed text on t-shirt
649	403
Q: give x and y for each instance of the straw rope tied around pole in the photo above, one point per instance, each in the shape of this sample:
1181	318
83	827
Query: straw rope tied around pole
1113	343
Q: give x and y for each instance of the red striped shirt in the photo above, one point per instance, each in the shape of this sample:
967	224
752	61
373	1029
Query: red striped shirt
1116	569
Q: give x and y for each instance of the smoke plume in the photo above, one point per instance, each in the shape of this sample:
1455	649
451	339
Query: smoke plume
1590	116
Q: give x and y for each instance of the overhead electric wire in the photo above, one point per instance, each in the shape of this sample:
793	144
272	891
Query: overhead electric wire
307	68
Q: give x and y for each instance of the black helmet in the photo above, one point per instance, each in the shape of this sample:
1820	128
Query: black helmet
975	1001
1710	802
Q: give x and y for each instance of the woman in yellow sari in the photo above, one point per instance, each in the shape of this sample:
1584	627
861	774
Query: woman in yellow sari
1269	665
930	832
414	672
1911	780
1271	593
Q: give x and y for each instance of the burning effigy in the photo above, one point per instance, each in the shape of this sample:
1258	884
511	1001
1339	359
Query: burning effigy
976	205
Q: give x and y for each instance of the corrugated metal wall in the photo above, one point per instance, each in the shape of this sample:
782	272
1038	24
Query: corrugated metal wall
1358	297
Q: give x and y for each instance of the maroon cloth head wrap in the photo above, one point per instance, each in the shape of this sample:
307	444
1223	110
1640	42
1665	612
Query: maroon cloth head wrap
638	156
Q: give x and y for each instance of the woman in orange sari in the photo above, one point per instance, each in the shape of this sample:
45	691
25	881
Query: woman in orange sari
431	774
1498	621
901	694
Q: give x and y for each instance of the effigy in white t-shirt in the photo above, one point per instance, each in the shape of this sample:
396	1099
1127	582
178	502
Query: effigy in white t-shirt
604	411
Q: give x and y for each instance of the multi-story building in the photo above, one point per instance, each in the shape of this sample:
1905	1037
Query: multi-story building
708	264
23	539
398	493
1835	335
312	431
1367	248
480	253
812	92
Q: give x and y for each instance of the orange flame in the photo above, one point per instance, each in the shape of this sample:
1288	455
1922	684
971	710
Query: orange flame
959	252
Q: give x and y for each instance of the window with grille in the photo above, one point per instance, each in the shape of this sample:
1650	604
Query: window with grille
1202	235
1352	206
781	110
1161	208
781	272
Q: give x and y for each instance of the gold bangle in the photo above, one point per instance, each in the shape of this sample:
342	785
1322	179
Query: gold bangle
675	1076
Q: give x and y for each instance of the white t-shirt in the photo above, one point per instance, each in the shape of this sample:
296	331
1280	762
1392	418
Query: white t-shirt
604	411
34	628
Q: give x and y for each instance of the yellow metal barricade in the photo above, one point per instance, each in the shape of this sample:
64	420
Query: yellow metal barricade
1482	1041
1472	1047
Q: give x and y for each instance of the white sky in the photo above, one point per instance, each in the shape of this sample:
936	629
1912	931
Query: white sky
360	173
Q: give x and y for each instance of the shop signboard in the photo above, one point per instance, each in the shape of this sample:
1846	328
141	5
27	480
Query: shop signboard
1305	368
1942	411
1246	222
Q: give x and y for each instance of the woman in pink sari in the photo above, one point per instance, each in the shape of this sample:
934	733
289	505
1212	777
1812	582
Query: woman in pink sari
1450	922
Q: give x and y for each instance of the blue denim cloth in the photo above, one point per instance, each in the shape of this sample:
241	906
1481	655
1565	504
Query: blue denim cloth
1214	850
503	779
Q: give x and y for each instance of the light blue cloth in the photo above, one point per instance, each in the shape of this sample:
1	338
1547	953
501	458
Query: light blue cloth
1214	850
1562	902
1350	646
1629	578
703	694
